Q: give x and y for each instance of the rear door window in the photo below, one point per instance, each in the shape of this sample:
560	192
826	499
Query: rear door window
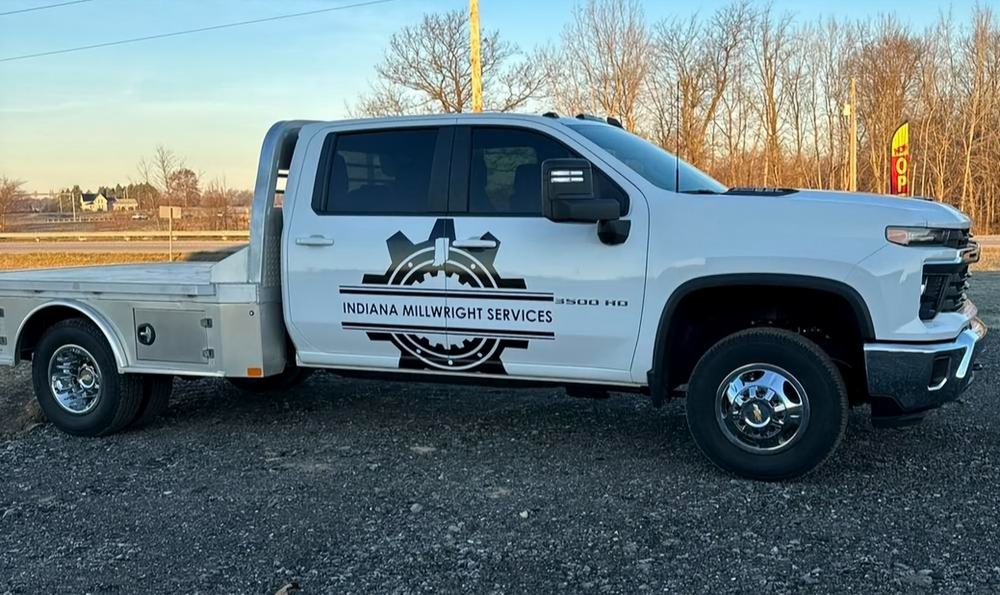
381	172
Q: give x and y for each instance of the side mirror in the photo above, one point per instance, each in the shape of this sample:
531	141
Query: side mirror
568	193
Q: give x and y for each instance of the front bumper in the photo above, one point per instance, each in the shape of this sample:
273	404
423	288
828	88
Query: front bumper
906	378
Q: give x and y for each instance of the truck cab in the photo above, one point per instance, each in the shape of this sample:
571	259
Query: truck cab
530	250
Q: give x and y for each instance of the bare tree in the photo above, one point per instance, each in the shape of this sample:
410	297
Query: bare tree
147	194
977	56
886	66
796	83
426	68
935	110
604	59
183	187
218	201
772	50
10	194
734	126
158	178
385	100
694	64
836	51
165	163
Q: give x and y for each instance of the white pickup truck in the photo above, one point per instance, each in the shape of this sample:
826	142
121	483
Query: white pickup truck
529	250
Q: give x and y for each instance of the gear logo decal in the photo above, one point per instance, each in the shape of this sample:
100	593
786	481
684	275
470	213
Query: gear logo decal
444	306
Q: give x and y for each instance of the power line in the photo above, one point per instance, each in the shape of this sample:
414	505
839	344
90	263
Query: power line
43	7
200	30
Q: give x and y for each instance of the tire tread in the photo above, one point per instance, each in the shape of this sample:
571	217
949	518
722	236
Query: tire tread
129	386
797	341
155	399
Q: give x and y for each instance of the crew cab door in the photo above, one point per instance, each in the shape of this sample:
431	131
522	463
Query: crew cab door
360	285
539	299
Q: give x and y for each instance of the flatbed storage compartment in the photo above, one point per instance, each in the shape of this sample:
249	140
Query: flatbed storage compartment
172	336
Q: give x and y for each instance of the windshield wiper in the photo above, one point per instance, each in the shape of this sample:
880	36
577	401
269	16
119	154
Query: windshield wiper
699	191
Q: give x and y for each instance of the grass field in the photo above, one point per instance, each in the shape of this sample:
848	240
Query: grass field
989	261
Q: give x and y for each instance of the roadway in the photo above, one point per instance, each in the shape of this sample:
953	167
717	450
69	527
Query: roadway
116	247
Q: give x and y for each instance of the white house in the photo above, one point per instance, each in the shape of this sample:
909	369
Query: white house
125	204
93	202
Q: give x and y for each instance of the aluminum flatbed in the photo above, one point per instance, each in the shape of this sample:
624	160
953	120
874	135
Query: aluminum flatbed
169	279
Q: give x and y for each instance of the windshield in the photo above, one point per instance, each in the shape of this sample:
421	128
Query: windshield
649	161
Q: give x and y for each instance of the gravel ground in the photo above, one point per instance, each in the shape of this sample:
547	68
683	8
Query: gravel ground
368	487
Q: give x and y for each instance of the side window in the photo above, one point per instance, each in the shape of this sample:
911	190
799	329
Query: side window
505	175
381	172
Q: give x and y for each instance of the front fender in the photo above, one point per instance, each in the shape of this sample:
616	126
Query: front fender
893	276
656	377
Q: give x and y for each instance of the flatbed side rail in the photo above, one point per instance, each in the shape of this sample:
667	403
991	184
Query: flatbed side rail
125	236
264	253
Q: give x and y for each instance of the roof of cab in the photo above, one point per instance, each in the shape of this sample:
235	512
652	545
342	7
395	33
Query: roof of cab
548	117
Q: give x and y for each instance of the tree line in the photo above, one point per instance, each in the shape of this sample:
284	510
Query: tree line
170	182
162	179
747	94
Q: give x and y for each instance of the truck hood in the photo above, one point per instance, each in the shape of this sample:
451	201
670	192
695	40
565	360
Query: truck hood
911	211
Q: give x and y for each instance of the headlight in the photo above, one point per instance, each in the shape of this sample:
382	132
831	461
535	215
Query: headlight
917	236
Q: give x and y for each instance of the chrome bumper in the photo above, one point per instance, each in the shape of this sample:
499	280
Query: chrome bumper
919	377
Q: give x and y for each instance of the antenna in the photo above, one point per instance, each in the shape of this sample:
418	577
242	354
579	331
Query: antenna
677	136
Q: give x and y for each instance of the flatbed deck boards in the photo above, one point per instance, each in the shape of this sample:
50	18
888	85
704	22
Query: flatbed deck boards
187	278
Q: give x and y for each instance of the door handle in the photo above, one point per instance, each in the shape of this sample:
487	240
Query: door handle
475	244
314	241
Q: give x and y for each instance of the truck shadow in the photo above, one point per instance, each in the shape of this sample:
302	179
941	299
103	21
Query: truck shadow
539	423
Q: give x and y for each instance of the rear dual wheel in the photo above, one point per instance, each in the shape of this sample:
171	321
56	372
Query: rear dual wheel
79	389
767	404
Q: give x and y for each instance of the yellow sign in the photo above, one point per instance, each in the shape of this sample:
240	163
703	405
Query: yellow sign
899	163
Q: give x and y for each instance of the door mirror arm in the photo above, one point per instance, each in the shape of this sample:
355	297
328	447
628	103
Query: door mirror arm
568	197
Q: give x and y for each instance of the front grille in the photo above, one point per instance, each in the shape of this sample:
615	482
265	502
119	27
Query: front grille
945	286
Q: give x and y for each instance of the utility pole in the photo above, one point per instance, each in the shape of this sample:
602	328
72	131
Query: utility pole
477	67
854	140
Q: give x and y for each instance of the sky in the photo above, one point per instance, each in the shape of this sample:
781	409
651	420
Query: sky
87	117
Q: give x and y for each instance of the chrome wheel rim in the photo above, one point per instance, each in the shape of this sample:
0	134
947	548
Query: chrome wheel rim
75	379
762	408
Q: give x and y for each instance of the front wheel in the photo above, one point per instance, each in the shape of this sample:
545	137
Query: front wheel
767	404
77	383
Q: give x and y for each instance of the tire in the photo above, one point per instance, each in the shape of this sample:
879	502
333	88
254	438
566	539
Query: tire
108	401
743	437
156	390
291	377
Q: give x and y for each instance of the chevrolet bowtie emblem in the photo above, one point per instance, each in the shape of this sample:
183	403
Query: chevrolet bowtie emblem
756	413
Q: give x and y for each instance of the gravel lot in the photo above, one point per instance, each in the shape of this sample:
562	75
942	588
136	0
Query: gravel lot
367	487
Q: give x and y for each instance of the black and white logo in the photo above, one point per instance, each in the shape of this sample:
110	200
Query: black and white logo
444	305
